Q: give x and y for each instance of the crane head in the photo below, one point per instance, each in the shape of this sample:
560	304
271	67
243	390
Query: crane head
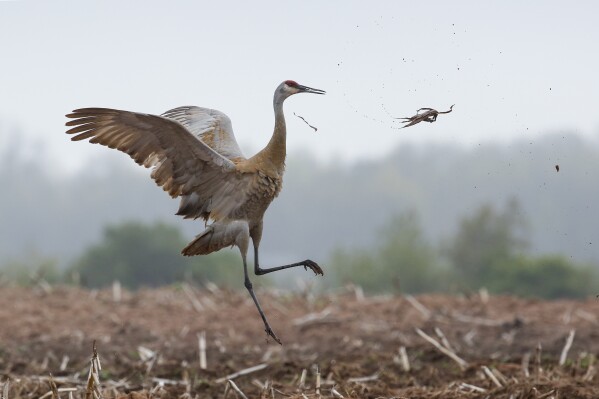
294	87
291	87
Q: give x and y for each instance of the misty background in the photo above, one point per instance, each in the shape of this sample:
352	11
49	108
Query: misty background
323	208
522	77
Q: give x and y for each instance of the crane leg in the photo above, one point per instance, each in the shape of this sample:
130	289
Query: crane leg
248	285
305	263
223	234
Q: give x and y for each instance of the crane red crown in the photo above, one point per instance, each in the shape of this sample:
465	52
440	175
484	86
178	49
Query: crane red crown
291	83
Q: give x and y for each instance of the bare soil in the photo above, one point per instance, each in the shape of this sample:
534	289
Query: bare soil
148	344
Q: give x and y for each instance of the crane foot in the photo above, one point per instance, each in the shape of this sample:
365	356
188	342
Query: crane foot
313	266
270	332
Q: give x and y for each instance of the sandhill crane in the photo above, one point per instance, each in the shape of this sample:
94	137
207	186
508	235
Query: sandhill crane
194	155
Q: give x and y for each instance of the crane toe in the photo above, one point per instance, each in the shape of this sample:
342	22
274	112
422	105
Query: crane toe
271	333
313	266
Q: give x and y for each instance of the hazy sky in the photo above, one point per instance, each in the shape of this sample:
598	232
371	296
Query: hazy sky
513	69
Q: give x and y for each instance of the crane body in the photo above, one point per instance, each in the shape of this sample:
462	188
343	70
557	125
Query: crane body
194	155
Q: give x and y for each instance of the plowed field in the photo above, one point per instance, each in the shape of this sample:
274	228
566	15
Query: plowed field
358	347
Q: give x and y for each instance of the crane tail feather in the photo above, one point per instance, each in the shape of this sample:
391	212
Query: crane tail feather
219	235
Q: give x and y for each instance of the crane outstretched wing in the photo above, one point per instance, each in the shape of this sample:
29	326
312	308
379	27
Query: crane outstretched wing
209	183
209	125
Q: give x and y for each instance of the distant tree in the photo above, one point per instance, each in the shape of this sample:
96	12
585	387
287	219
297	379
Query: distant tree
484	239
402	260
224	268
148	255
550	276
489	250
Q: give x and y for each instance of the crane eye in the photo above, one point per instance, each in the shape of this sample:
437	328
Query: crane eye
291	83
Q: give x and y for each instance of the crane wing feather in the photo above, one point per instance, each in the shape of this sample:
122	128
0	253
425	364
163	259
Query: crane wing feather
209	183
213	127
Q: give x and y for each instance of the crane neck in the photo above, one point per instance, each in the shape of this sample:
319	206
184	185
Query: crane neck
276	149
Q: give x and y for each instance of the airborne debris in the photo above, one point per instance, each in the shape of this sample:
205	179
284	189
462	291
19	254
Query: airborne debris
306	122
424	115
557	168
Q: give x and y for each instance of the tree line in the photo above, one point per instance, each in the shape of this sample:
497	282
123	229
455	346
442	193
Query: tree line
489	249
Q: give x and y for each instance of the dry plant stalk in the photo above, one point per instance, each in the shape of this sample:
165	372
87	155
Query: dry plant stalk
195	302
116	291
468	338
53	388
483	293
93	379
443	339
583	314
242	372
151	363
145	354
525	362
336	394
44	364
567	346
373	377
64	363
226	393
302	380
58	391
236	389
546	394
538	370
403	356
266	389
184	331
500	376
5	389
461	362
590	373
567	316
359	292
312	318
202	348
418	306
38	280
473	388
317	382
259	384
476	320
213	288
491	376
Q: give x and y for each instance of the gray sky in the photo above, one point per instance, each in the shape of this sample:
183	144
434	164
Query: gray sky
513	69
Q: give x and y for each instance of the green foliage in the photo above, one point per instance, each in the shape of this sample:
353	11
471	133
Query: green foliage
149	255
223	268
551	276
484	239
28	271
488	251
403	260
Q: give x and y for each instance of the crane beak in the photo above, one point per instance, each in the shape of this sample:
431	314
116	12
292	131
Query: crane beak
306	89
